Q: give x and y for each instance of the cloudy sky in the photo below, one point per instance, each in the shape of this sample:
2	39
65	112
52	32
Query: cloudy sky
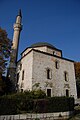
54	21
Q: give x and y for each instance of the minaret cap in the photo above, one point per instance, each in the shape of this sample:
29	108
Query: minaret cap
19	13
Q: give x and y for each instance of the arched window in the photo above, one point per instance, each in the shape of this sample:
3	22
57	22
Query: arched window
17	77
67	92
23	75
49	73
21	90
66	77
57	64
49	92
20	66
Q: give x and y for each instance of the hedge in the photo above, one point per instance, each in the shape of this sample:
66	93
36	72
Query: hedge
16	104
54	104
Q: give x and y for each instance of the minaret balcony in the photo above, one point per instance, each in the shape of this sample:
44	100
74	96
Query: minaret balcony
17	26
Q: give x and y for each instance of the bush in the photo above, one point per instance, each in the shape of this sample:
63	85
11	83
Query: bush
7	106
38	94
54	104
24	102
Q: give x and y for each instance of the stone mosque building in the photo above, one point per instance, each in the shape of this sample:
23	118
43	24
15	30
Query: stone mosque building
42	66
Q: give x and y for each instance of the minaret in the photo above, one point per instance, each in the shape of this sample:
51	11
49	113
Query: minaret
17	29
14	50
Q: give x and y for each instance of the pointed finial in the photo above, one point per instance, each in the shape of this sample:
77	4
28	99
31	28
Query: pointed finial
19	14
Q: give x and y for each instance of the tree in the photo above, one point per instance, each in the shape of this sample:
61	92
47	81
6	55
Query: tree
5	47
77	70
77	74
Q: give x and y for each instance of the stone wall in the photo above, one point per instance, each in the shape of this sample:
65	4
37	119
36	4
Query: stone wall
42	116
57	83
44	49
26	63
35	65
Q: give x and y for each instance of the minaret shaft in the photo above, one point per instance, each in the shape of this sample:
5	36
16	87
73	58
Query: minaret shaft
17	29
14	50
15	45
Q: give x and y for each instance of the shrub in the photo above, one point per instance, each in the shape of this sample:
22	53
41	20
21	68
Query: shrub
38	94
24	102
54	104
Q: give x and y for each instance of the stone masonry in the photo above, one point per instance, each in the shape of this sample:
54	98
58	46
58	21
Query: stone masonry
44	66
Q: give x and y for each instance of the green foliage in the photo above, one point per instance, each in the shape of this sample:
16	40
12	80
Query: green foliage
54	104
38	94
7	106
5	46
78	88
77	70
77	73
23	103
36	85
5	86
77	109
2	87
35	94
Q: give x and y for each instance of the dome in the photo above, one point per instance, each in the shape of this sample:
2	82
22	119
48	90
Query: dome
40	44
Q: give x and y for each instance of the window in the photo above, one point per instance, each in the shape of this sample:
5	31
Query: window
20	66
49	92
66	76
17	77
23	75
49	74
67	92
54	53
21	90
57	64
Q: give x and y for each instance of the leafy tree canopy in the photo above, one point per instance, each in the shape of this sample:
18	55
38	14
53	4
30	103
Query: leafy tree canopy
77	73
77	70
5	47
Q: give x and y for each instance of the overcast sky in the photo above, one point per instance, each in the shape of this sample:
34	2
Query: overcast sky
54	21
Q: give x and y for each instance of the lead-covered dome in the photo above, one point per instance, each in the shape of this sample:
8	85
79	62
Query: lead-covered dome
40	44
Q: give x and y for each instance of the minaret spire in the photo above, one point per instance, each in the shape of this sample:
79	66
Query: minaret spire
20	14
14	54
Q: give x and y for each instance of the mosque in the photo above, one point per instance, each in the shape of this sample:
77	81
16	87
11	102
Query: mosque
42	66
